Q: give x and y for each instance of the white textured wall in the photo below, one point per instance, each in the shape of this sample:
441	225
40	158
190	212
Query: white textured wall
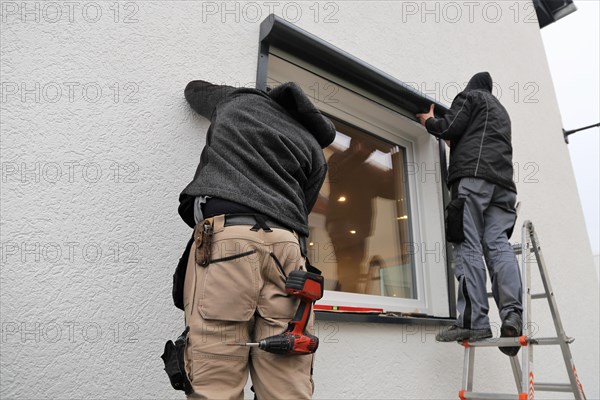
83	174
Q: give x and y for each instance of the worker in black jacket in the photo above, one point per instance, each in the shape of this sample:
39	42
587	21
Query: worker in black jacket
481	214
259	176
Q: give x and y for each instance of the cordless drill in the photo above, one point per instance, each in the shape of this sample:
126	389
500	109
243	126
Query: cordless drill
308	287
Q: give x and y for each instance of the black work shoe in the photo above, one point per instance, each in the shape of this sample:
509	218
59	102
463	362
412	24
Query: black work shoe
511	327
458	334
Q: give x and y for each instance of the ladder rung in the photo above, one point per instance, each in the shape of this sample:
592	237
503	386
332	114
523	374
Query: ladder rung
517	249
494	342
489	396
515	341
550	341
553	387
533	296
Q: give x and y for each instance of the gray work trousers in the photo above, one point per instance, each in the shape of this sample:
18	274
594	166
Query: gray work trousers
489	215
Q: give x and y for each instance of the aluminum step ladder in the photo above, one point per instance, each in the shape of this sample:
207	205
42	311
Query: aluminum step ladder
523	372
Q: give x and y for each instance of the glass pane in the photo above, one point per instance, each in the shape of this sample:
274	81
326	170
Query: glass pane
360	225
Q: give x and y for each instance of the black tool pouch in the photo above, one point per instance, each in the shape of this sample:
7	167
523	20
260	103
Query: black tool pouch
173	358
454	221
312	268
179	276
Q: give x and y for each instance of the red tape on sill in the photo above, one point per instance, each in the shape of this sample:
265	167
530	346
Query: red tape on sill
348	309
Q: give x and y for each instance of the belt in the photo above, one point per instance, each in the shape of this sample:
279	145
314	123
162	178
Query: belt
257	221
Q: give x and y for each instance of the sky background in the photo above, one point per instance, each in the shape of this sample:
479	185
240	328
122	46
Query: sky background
572	47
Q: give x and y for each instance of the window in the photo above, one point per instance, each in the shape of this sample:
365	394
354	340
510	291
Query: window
360	226
376	230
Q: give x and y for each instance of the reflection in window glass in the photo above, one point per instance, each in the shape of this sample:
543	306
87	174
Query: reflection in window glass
360	226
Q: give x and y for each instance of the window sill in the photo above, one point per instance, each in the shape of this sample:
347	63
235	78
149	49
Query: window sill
382	318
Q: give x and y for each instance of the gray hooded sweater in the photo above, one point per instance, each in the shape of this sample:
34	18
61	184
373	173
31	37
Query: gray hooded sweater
263	150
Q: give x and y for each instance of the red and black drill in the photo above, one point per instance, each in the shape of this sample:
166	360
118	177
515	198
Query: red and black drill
308	287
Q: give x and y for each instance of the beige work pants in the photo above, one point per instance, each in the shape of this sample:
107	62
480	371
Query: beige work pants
240	297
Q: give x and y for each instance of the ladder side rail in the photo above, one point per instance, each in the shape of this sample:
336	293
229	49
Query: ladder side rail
527	352
516	368
560	332
468	369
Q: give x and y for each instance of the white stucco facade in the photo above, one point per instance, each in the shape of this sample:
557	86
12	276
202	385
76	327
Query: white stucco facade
97	141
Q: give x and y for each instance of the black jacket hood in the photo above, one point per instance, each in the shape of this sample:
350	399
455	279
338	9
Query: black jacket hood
481	81
294	101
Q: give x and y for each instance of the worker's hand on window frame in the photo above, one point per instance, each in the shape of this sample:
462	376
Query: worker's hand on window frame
423	117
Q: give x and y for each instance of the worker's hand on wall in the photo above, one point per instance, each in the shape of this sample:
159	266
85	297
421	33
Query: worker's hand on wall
203	96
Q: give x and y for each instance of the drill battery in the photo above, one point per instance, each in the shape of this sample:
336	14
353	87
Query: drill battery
307	286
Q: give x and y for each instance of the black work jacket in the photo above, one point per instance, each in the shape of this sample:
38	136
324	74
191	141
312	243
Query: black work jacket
479	130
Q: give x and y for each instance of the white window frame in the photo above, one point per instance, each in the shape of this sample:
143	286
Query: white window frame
346	102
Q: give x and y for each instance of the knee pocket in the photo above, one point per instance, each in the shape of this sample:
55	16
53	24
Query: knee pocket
496	250
212	374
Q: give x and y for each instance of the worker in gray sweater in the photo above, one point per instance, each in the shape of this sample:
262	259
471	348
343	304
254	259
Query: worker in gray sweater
259	176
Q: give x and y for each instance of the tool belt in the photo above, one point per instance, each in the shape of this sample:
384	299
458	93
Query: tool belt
258	221
239	214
